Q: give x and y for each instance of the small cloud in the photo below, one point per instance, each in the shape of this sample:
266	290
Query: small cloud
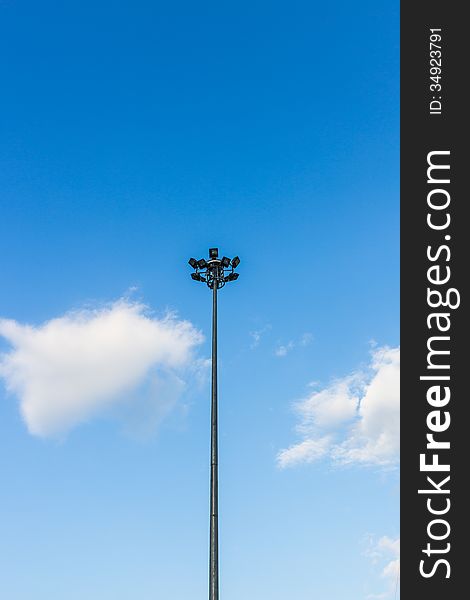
385	554
282	350
332	405
257	335
389	545
73	367
306	339
307	451
392	569
358	414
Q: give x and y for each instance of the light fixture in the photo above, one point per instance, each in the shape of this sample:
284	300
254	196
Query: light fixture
215	272
232	277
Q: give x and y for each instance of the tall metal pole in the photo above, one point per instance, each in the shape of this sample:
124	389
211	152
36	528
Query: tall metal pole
214	510
215	272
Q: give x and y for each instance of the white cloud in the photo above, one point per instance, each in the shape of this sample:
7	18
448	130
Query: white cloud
358	415
306	452
306	339
257	335
330	406
386	553
80	364
283	349
391	547
392	569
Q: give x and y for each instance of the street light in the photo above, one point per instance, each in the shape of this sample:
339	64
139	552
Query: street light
215	273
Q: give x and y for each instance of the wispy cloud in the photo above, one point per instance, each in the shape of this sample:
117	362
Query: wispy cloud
354	420
257	335
78	365
385	554
284	349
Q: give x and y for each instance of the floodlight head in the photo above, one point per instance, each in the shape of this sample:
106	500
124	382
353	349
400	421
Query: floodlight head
232	277
214	271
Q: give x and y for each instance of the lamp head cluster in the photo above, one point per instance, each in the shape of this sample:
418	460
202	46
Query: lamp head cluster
215	271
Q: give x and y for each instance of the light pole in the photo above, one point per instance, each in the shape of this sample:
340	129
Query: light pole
215	272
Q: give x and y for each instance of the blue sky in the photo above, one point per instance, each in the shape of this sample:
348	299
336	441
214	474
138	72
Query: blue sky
138	134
